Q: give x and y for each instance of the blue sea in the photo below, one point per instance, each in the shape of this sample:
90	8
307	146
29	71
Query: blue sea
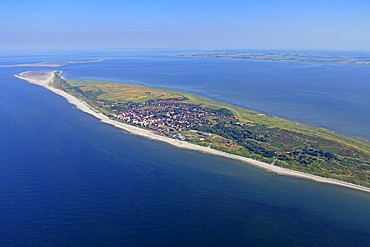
68	179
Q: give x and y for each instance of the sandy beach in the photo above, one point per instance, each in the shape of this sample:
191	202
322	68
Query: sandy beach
43	78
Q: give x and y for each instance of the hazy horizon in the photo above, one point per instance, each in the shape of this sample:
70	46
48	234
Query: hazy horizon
263	25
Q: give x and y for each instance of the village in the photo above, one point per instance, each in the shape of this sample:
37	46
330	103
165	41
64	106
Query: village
168	117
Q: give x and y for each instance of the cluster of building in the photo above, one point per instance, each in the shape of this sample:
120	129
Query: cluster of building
174	115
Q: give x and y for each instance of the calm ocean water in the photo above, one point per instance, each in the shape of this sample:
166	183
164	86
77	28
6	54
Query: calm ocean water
326	95
67	179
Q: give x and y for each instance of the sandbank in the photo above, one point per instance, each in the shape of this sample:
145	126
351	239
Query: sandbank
51	64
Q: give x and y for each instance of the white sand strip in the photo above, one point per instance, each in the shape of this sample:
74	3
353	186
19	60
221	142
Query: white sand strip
45	77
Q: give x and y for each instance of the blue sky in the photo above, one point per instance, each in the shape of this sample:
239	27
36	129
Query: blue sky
199	24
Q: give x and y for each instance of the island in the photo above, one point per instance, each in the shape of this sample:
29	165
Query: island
350	58
199	123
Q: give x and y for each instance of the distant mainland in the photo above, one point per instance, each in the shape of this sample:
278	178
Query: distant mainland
194	122
350	58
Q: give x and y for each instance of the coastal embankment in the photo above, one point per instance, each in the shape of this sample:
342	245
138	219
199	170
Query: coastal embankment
43	78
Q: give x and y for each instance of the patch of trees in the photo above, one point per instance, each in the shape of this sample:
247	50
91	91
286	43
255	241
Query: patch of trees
305	160
283	157
224	112
308	155
235	133
319	153
255	148
238	135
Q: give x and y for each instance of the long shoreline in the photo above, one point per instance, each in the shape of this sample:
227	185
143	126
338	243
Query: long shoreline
45	78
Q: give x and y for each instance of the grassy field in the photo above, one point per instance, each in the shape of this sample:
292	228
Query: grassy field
249	116
128	92
125	92
296	146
